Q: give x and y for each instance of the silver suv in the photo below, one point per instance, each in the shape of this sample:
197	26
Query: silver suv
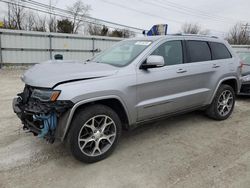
87	104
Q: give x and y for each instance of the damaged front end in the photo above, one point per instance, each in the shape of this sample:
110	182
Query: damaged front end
39	110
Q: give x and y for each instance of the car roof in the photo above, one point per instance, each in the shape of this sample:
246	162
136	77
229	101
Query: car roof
180	36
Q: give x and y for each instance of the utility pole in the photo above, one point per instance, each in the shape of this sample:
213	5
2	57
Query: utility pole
50	27
9	15
50	11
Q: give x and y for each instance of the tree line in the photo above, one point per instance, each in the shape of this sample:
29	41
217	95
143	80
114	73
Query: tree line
18	17
239	34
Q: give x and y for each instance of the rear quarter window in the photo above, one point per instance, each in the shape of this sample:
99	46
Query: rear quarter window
198	51
219	51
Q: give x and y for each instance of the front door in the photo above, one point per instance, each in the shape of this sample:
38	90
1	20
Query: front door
159	89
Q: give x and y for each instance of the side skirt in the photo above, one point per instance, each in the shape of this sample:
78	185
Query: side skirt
165	116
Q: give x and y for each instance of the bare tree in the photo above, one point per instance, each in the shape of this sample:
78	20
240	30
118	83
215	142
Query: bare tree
104	31
204	32
79	12
40	24
97	29
16	14
192	28
239	34
35	22
94	29
30	21
52	24
123	33
127	33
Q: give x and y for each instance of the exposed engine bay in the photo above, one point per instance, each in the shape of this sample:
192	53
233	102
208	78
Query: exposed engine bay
38	116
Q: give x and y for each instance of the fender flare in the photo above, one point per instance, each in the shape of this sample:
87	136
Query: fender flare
82	102
219	84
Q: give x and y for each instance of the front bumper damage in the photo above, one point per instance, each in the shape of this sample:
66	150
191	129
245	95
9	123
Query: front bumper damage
40	118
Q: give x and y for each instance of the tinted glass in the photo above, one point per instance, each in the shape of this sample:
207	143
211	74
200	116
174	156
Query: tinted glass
219	51
198	51
122	53
171	52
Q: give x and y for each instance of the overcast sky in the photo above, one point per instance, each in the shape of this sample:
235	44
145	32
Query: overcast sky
216	15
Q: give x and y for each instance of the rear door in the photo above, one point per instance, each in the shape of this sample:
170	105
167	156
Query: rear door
201	70
223	63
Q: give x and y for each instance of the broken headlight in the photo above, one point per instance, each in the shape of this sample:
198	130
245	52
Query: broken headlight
45	95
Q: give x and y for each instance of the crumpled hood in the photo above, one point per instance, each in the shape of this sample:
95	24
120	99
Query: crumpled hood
51	73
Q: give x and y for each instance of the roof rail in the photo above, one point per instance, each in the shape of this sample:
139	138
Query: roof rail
196	35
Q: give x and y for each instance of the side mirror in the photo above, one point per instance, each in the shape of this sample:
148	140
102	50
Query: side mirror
153	61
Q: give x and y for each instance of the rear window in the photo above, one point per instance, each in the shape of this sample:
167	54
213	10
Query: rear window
219	51
198	51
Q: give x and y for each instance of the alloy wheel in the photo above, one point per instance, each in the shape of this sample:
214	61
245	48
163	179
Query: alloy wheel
225	102
97	135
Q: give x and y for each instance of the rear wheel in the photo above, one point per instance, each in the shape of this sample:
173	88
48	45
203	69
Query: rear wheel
223	103
94	134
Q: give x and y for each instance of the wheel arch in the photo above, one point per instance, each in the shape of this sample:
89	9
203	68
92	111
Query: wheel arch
231	81
114	102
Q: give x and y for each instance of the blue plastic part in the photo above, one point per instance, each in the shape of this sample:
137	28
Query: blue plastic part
49	123
160	29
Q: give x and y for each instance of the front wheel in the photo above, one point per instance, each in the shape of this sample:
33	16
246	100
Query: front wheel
94	133
223	103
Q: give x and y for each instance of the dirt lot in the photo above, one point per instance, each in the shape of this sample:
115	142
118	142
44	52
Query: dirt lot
186	151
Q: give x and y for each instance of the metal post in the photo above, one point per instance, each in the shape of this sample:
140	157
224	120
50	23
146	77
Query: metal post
1	55
93	47
50	47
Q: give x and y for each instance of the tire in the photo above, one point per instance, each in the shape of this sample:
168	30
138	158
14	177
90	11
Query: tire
96	129
215	109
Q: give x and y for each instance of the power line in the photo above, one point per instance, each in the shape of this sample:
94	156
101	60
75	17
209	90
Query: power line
179	6
88	17
141	12
41	5
183	11
147	14
43	11
69	16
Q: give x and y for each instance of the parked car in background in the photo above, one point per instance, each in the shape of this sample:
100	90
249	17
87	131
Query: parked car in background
87	104
244	54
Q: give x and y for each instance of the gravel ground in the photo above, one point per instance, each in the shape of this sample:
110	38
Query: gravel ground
185	151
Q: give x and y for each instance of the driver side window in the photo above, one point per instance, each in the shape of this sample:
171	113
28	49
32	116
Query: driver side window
171	51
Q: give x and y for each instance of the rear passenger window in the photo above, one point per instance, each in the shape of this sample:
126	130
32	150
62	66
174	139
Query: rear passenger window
198	51
219	51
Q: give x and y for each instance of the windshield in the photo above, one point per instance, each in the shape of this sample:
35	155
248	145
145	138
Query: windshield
245	56
123	53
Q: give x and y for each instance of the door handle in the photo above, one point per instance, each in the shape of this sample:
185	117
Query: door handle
181	71
216	66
